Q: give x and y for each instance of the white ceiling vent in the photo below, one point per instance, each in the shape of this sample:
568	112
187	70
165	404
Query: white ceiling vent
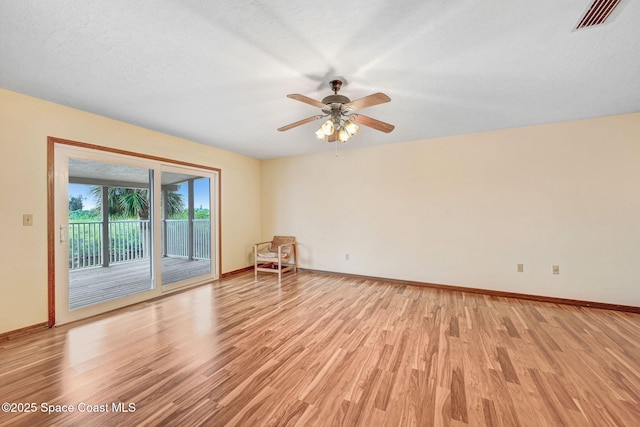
597	13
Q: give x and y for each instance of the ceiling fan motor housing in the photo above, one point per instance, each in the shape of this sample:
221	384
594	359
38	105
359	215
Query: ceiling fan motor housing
335	99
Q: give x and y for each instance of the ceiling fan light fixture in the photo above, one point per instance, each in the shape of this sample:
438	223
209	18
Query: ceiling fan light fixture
343	135
351	127
320	134
328	127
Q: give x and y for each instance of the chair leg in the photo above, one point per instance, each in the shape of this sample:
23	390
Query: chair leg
255	263
279	270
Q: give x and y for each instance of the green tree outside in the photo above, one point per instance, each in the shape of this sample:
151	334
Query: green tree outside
75	203
133	203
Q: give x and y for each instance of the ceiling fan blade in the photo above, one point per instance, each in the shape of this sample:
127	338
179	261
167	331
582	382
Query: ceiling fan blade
306	100
372	123
299	123
333	137
367	101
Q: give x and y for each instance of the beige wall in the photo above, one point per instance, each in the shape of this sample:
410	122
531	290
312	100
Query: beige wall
465	210
25	123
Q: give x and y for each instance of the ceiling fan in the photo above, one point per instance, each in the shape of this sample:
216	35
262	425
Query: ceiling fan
343	122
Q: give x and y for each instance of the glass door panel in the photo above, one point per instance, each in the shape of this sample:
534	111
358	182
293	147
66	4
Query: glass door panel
186	227
109	231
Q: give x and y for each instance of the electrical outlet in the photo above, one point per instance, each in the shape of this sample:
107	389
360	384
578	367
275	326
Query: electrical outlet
556	269
520	268
346	257
27	220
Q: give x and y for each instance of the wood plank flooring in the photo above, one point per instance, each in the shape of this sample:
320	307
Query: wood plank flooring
324	350
90	286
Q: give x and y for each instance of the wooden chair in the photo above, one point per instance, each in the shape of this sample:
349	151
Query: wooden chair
280	256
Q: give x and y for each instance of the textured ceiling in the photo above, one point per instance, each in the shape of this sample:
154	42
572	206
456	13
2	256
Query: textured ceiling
217	72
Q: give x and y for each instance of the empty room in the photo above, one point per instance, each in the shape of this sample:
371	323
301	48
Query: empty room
372	213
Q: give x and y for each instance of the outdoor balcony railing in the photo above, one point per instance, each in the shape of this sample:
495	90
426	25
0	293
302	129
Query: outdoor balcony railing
130	240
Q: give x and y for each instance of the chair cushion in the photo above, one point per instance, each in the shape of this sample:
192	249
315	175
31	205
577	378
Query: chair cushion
272	256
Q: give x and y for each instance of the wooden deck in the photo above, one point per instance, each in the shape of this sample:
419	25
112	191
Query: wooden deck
99	284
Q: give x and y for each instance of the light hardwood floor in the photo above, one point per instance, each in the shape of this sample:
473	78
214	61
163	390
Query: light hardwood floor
322	349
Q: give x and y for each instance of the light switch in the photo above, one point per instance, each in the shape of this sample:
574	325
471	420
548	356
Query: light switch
27	220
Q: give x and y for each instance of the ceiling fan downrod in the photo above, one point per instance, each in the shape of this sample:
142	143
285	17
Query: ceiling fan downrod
335	86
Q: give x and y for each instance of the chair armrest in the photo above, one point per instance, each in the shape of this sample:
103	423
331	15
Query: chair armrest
256	246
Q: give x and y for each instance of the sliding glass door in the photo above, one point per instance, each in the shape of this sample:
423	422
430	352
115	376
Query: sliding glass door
129	228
